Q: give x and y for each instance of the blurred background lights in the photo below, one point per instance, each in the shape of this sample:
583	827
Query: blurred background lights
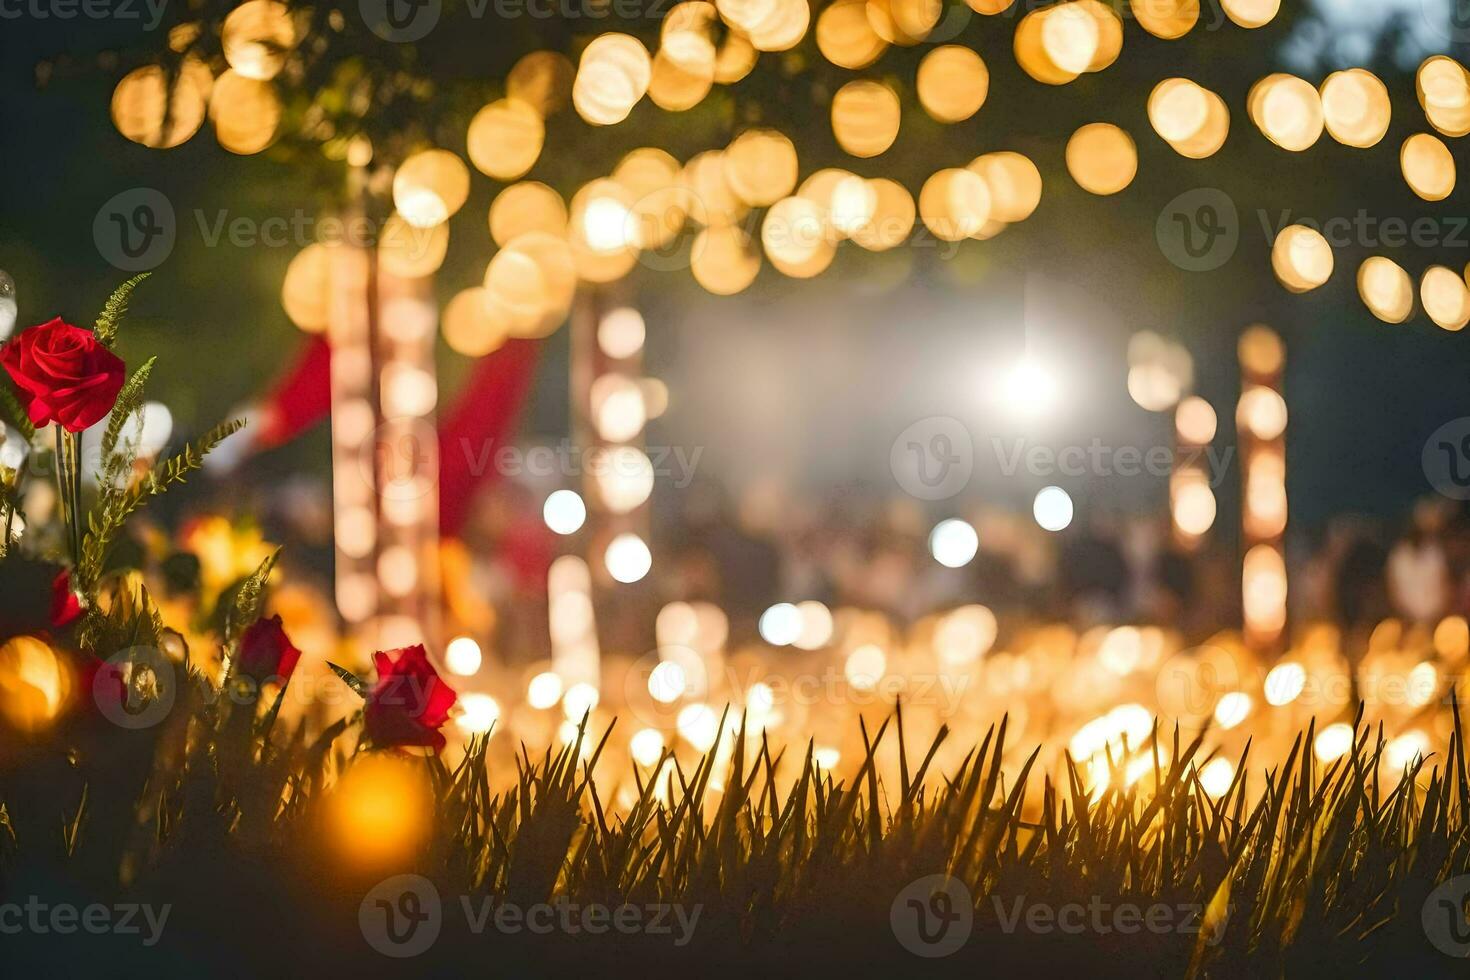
1333	742
1252	13
1052	509
1355	107
8	308
1028	389
564	511
381	808
613	74
845	37
952	83
621	333
965	634
667	682
1428	166
148	109
527	206
1446	301
1195	421
257	36
579	699
544	690
1443	87
1102	158
430	187
479	713
1287	110
1232	709
953	543
462	656
816	626
780	625
955	204
1262	412
475	324
505	138
34	683
865	117
1284	683
627	558
13	447
699	726
1386	289
646	747
1301	258
1014	184
1191	119
1156	376
1406	749
624	477
865	666
1217	776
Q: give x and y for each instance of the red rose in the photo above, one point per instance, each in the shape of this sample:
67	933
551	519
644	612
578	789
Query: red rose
266	651
66	606
104	690
63	373
410	702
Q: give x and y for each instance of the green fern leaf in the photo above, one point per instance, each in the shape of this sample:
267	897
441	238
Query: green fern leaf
115	309
115	464
249	601
107	518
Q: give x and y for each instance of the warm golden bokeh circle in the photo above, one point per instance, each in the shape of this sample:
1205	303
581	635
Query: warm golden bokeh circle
1102	158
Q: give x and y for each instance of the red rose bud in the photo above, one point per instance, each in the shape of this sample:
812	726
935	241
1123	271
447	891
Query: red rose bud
66	605
266	651
63	373
104	692
410	703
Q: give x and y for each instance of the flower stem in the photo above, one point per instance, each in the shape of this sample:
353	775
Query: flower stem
74	439
63	486
68	482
